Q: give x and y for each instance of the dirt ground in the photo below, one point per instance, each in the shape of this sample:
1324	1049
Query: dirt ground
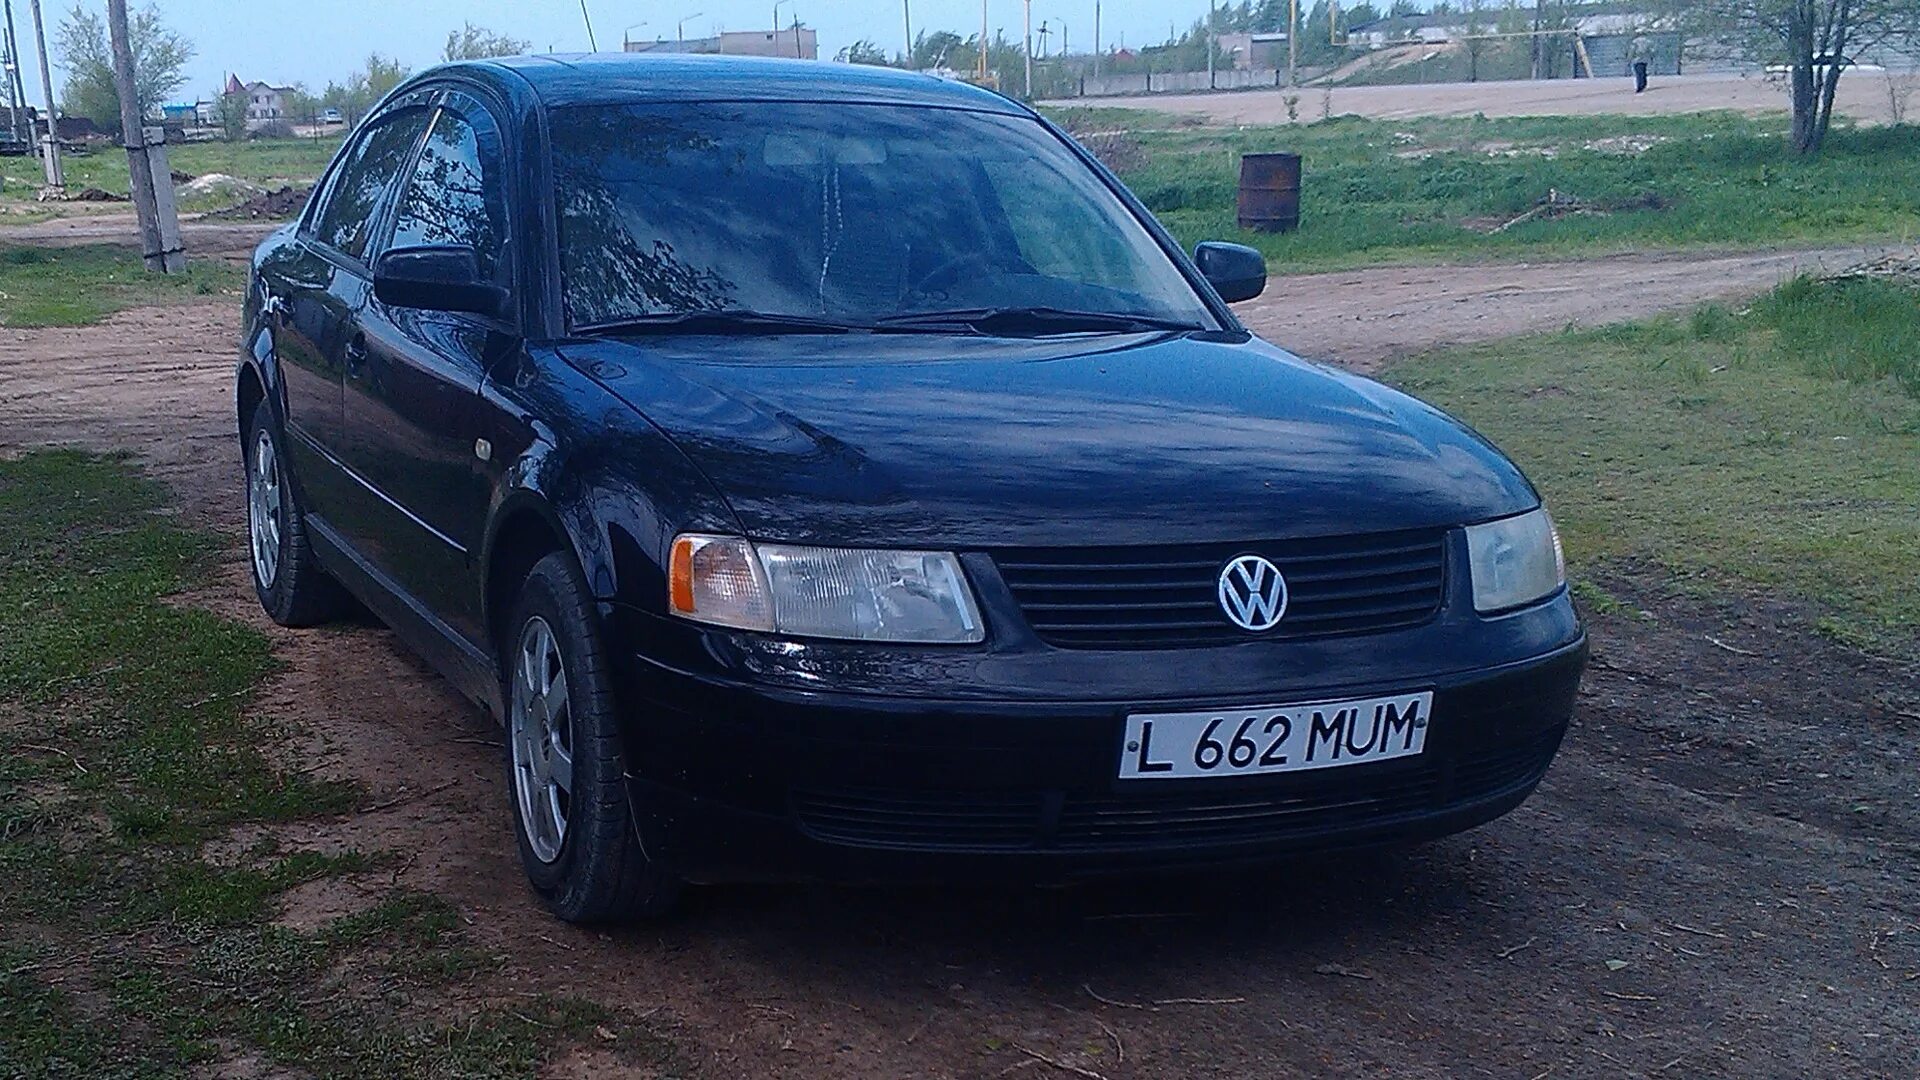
1863	96
1718	877
1362	318
201	234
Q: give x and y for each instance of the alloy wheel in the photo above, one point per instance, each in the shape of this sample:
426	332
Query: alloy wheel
542	738
266	509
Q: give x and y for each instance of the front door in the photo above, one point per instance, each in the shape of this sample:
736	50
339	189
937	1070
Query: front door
412	409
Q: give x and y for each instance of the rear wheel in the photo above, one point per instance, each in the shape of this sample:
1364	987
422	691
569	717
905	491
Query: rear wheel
287	576
565	767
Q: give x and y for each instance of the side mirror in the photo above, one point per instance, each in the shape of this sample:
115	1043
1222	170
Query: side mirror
1236	271
436	278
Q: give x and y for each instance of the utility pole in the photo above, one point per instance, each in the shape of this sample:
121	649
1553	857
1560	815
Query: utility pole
983	42
906	17
50	148
159	225
10	60
1293	41
1096	38
1211	83
1028	50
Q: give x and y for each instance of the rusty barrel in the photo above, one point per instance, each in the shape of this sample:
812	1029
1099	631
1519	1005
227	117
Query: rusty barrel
1270	192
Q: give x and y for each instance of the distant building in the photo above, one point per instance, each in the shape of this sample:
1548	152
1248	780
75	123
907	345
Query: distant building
1597	36
266	103
798	42
1251	51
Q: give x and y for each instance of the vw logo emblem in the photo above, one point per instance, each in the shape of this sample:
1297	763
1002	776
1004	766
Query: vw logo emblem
1252	593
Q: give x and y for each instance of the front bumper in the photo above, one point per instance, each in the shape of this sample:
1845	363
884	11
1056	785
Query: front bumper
735	779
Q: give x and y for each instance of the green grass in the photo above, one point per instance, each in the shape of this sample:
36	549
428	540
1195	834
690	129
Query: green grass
73	286
1432	189
131	742
262	161
1861	329
1773	448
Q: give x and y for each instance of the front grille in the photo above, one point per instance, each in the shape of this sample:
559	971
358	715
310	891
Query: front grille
1293	806
1148	597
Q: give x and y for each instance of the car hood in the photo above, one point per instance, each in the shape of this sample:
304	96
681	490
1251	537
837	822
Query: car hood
962	441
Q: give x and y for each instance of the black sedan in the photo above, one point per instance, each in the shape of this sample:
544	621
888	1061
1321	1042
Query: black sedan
824	471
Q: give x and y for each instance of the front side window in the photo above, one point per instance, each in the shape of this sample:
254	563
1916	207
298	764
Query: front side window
353	199
455	195
849	212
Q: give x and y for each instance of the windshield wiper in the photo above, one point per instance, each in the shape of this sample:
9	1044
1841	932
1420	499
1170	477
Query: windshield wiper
1034	320
721	321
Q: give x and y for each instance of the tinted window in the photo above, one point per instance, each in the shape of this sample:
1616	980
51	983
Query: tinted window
853	212
353	200
455	196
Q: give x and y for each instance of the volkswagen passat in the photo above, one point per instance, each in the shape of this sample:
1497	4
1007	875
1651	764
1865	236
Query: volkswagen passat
823	471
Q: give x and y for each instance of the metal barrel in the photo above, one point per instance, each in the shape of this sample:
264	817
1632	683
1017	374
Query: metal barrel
1270	192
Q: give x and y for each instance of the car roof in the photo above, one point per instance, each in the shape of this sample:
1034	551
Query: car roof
558	81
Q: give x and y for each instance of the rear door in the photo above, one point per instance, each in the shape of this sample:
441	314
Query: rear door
412	409
316	288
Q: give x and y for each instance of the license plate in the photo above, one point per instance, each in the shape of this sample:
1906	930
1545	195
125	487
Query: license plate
1246	741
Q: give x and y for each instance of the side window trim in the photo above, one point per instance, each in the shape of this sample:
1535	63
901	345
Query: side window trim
382	235
426	99
489	134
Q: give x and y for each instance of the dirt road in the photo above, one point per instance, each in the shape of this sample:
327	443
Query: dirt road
1362	318
1862	96
203	236
1717	879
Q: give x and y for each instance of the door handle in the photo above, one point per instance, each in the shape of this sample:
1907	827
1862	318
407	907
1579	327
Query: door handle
356	353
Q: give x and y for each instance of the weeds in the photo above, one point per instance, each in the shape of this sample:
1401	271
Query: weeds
73	286
123	952
1860	329
1423	189
1720	446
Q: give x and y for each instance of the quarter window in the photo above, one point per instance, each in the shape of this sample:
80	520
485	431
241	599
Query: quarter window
455	194
362	181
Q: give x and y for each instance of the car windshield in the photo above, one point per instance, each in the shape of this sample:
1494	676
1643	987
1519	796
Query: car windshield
849	213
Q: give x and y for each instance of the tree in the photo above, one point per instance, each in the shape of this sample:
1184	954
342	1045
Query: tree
1475	39
301	104
230	114
159	55
364	88
1814	39
863	51
472	42
936	50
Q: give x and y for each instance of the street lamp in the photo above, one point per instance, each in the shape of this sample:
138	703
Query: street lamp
624	39
680	25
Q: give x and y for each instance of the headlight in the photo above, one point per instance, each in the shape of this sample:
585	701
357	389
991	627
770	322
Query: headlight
914	596
1515	561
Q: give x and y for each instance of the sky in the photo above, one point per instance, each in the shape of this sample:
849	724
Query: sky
314	41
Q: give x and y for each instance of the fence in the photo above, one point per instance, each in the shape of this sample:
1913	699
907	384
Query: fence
1174	82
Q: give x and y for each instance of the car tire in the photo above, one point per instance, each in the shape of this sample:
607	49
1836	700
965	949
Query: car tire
287	576
566	771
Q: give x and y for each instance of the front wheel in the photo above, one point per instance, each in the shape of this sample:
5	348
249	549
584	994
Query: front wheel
565	768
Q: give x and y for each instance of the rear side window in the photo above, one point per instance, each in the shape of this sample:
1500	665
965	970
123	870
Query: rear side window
455	194
353	201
